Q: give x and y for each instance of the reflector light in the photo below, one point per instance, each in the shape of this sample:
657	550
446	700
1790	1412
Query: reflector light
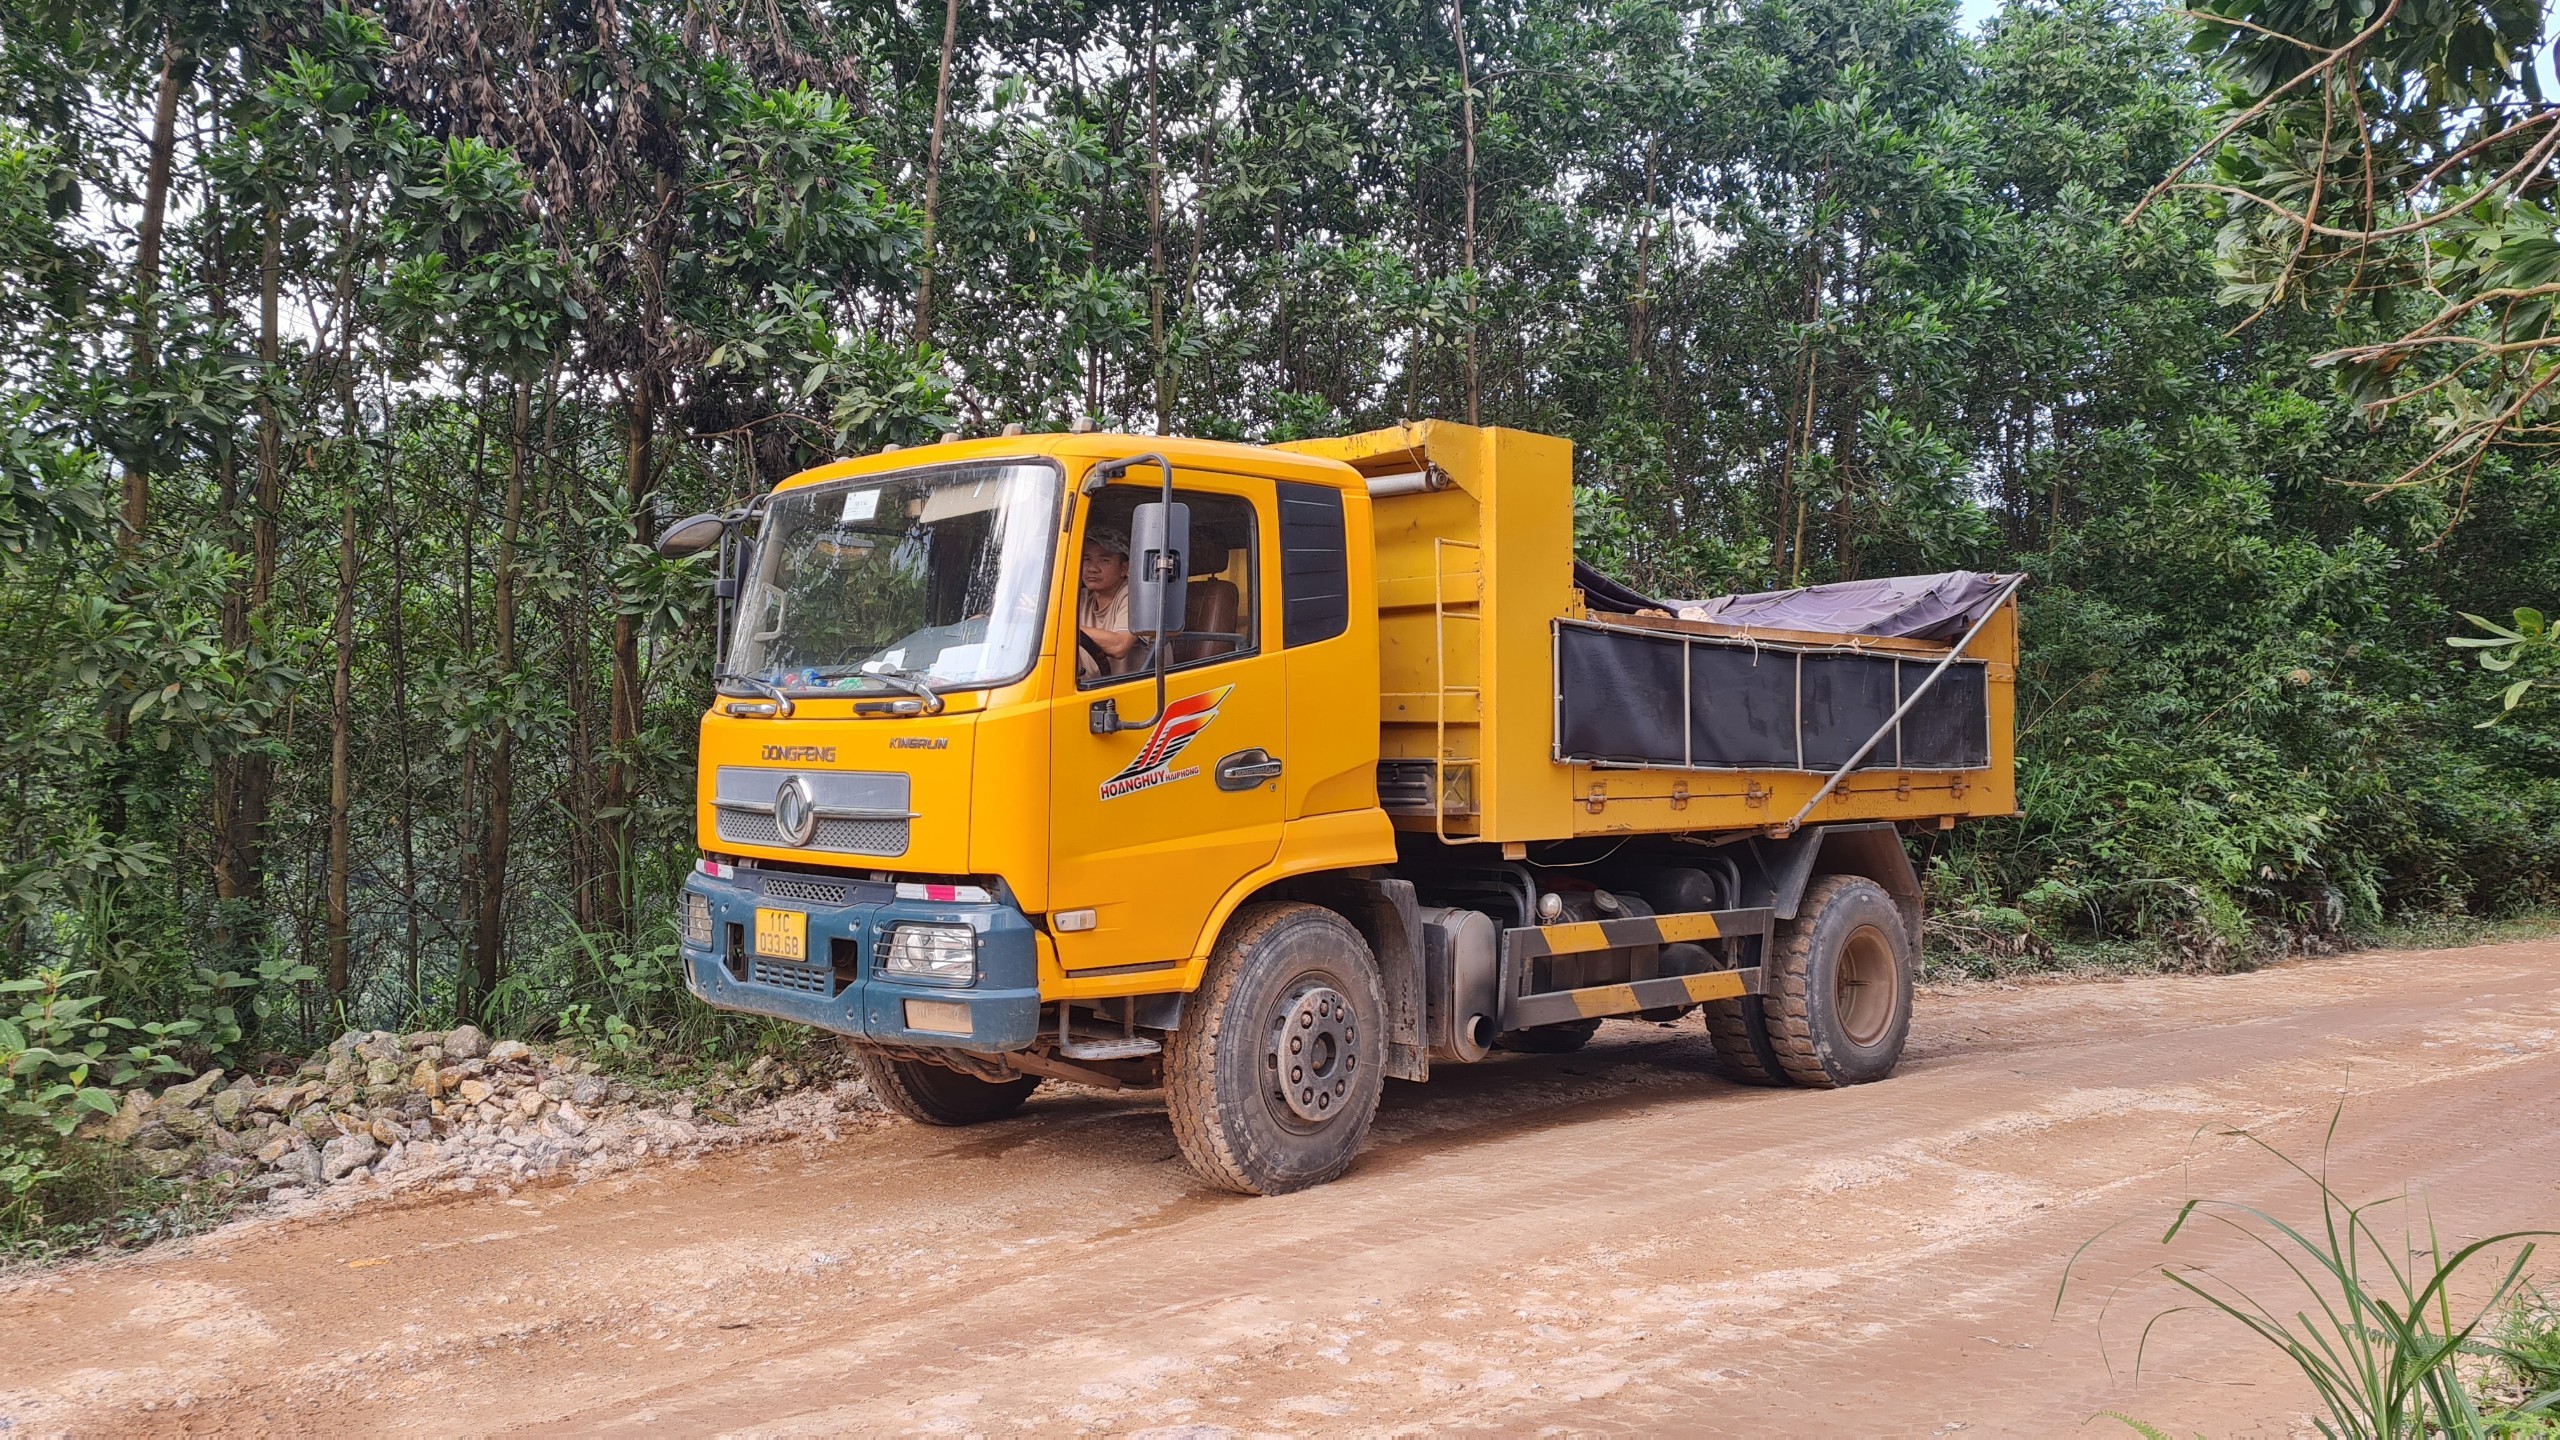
716	870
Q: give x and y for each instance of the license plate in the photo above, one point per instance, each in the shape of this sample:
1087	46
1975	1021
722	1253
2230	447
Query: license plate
782	934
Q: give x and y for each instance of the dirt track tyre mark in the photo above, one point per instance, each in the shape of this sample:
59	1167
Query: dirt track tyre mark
931	1095
1284	974
1836	990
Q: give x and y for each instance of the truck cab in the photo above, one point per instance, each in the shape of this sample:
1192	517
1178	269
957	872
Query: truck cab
928	802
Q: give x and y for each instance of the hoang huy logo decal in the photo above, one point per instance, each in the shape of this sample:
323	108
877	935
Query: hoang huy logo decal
1182	721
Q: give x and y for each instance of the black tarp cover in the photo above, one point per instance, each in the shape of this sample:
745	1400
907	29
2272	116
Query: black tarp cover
1626	696
1910	607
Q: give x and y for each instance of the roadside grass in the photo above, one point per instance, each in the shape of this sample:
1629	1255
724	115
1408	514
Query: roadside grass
2399	1335
96	1199
2519	1385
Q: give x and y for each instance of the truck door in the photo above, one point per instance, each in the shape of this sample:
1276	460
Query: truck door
1152	825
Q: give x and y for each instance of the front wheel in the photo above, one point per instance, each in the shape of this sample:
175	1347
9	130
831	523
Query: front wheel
1272	1087
929	1094
1836	991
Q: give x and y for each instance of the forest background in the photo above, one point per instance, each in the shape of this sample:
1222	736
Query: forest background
352	357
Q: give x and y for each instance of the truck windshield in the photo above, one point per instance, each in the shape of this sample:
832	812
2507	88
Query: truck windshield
933	578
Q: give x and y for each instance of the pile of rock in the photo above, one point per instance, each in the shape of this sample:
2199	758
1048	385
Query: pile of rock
442	1108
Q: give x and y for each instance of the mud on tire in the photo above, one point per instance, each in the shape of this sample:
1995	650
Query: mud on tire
1271	1087
1837	986
932	1095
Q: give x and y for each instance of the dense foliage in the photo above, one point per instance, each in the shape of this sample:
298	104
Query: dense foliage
353	355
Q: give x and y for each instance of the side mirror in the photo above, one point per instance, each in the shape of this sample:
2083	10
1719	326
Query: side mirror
692	535
1159	567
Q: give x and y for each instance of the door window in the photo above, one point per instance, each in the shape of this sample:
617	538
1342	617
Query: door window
1221	610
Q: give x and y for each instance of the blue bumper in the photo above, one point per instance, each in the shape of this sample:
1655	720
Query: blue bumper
839	986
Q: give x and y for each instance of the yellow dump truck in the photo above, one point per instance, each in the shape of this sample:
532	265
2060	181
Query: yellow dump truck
1263	774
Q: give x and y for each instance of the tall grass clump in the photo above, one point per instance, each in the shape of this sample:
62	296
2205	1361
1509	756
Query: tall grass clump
2373	1319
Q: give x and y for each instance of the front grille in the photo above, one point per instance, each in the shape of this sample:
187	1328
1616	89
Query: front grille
816	892
850	837
784	975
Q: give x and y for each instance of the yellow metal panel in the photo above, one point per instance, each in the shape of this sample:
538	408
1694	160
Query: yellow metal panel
1467	579
1312	846
1154	852
1330	761
1008	766
1527	485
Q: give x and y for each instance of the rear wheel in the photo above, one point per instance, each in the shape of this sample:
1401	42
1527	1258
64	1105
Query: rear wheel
1837	988
1739	1030
932	1095
1273	1087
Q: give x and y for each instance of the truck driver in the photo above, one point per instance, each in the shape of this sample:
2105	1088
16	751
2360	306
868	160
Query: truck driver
1102	609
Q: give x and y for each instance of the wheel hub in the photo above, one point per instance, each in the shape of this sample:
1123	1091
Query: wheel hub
1862	987
1314	1049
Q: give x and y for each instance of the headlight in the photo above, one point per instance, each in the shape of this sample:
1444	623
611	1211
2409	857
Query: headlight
697	920
941	954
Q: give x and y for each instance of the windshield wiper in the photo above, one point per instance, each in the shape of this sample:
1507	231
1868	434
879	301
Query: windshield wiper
911	681
781	699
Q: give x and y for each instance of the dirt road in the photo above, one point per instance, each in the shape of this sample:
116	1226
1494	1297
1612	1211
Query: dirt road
1605	1240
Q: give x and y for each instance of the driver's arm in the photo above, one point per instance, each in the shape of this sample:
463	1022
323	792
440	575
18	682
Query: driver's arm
1115	643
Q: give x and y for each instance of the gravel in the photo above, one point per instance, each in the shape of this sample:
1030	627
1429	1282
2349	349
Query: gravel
448	1110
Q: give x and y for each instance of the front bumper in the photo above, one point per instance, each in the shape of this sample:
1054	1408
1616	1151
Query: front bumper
839	986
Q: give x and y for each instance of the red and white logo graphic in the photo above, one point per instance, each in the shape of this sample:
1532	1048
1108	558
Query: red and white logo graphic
1174	730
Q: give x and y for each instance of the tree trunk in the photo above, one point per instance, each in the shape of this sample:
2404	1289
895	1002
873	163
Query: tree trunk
1799	434
1467	131
623	702
464	804
257	772
403	741
933	173
1155	248
1639	321
235	875
341	719
146	272
488	939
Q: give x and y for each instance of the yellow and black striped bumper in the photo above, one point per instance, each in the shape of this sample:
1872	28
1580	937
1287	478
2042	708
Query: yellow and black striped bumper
1597	1001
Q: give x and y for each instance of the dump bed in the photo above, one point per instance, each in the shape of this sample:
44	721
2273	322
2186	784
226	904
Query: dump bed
1519	704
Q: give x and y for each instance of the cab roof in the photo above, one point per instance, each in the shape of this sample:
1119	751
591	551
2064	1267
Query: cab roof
1078	452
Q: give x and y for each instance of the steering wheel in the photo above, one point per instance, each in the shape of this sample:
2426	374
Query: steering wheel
1085	644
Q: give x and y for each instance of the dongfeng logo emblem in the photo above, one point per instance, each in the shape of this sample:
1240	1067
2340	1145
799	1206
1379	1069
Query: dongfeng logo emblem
794	813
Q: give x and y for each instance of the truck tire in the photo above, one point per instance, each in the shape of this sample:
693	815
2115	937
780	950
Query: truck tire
1272	1088
1561	1039
1837	988
1739	1030
931	1095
